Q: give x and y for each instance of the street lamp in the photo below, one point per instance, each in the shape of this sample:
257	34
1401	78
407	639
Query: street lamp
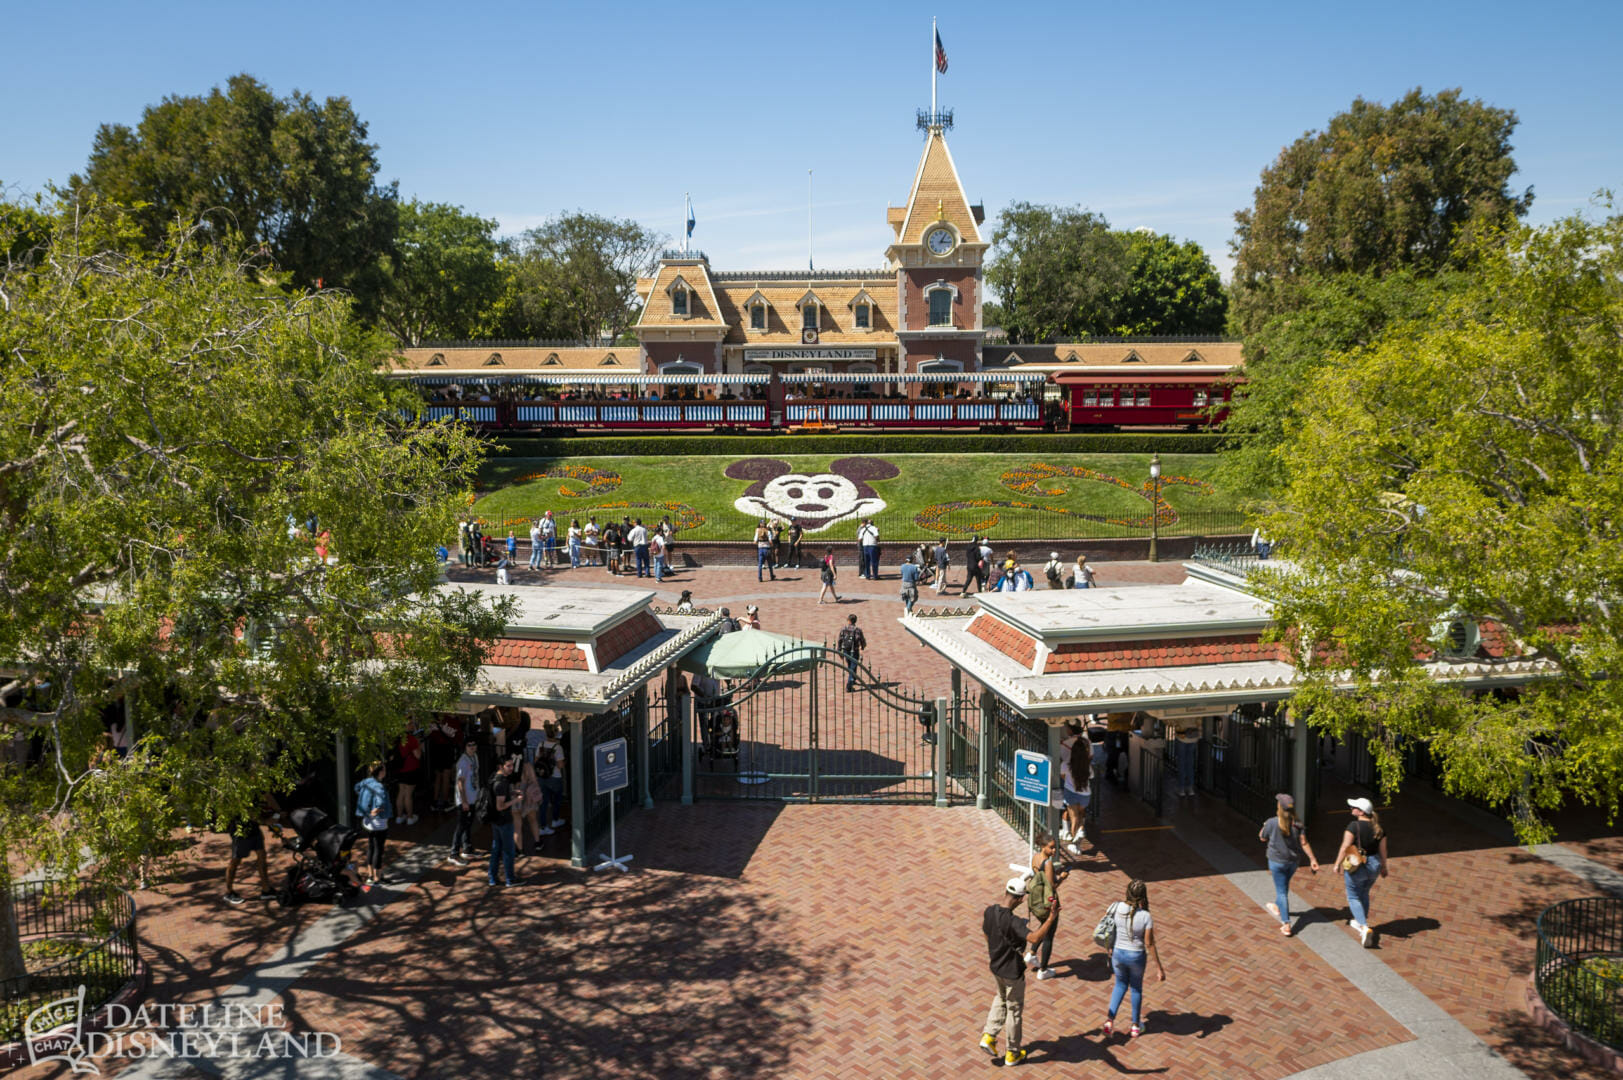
1155	505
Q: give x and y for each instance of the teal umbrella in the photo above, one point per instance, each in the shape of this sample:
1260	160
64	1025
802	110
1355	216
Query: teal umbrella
742	653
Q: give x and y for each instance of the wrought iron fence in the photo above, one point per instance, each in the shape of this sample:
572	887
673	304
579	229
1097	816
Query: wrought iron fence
1012	731
1154	762
72	934
1258	758
1579	966
664	738
963	745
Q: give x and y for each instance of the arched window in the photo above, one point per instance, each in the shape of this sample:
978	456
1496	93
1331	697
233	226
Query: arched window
940	307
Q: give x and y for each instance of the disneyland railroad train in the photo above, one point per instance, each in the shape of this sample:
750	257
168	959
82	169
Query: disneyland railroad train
998	400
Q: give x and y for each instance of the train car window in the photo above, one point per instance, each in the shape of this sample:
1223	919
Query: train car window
1090	397
1107	397
1143	399
1200	398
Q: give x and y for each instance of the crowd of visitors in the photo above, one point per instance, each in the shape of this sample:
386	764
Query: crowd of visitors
626	546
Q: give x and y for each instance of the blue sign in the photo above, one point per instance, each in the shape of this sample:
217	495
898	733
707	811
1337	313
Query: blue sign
1031	776
610	766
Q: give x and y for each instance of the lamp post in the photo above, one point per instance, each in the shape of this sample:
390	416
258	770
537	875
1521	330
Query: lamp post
1155	505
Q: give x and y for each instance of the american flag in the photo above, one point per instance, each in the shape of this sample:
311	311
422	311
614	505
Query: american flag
940	54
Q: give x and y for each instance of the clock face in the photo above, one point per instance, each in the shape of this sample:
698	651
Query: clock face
940	241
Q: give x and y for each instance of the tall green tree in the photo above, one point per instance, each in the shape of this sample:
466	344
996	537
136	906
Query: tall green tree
1469	464
1381	188
1057	271
170	418
1171	289
575	278
443	280
292	177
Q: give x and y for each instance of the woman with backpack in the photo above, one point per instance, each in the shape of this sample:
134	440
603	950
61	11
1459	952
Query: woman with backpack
1134	943
1287	843
1361	859
372	806
829	576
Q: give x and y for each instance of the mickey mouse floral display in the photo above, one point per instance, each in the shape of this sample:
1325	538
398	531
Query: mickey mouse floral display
1038	479
814	500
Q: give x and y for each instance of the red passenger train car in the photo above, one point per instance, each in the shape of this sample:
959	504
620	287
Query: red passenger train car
1116	399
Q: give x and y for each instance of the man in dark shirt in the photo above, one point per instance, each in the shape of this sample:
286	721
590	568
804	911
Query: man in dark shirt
1007	937
504	798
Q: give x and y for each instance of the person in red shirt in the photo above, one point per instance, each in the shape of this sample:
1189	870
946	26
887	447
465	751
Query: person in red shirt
410	752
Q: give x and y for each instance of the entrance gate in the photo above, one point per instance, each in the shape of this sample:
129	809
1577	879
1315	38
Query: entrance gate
802	736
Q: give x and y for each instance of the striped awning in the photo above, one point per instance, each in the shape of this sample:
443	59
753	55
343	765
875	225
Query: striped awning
584	378
801	377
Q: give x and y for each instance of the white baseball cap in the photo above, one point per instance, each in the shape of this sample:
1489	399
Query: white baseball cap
1362	804
1016	886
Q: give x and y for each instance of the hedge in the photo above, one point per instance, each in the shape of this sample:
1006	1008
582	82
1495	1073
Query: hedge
938	443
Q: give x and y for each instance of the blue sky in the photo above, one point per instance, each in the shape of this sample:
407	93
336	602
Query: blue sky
1155	115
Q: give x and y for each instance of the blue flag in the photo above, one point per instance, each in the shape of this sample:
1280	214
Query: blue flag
691	221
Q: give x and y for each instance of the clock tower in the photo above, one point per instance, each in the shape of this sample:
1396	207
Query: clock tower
936	253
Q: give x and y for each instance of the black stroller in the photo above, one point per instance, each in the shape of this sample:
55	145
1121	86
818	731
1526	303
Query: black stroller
321	854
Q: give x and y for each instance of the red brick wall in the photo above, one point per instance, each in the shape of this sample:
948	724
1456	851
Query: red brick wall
625	637
702	353
918	309
1164	652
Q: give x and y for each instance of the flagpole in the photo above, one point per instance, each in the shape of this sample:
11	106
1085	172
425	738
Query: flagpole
933	66
687	212
809	264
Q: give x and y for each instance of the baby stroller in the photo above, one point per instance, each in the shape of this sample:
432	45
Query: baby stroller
321	854
719	728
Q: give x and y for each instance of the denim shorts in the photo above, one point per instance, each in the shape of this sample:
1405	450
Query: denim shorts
1075	798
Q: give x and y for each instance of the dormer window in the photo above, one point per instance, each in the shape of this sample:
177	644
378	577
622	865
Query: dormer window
861	317
810	311
757	316
679	301
551	360
808	317
494	360
609	361
437	360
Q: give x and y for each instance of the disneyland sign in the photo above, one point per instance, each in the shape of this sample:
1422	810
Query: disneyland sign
65	1030
752	356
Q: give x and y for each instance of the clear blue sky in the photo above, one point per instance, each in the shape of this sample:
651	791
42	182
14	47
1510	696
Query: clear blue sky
1154	115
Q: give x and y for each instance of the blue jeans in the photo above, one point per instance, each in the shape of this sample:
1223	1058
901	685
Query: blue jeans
763	561
870	560
659	568
1129	969
1282	873
1358	883
535	555
552	800
574	554
1185	753
501	847
550	543
851	669
642	559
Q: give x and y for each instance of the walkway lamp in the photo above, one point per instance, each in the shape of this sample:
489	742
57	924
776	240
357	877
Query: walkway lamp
1155	505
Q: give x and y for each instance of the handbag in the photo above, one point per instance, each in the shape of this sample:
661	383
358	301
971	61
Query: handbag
1355	858
1104	934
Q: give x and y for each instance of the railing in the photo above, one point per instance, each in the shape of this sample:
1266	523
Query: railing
1236	558
664	740
1013	731
1154	762
92	931
1579	966
963	744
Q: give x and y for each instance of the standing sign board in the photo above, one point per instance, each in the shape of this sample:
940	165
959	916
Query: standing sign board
1031	785
610	772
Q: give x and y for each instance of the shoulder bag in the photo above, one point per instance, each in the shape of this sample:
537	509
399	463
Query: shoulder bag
1104	934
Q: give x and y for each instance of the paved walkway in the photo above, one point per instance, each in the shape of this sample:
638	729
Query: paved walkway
772	940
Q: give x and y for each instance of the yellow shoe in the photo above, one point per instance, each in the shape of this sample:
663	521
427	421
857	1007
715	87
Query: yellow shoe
989	1044
1014	1057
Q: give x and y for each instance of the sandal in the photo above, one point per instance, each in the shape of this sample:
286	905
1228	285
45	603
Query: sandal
1110	1026
1132	1032
1285	928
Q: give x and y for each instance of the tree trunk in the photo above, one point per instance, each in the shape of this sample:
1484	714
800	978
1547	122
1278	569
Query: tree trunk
11	949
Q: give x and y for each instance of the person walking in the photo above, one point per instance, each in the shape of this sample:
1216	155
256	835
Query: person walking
851	642
763	551
535	544
943	559
829	574
573	537
501	570
1008	936
868	550
656	548
1287	843
910	585
465	542
246	840
467	793
1361	859
779	549
408	775
1054	571
797	532
638	539
1186	753
1135	937
987	564
1082	574
549	767
1076	774
526	816
476	536
1118	741
1042	891
503	801
373	807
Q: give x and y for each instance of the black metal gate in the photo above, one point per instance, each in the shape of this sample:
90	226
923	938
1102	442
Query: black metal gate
964	745
801	735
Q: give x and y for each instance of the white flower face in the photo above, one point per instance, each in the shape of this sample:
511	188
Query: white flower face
816	500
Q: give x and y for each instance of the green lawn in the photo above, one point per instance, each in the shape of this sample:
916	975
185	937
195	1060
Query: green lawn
1027	496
